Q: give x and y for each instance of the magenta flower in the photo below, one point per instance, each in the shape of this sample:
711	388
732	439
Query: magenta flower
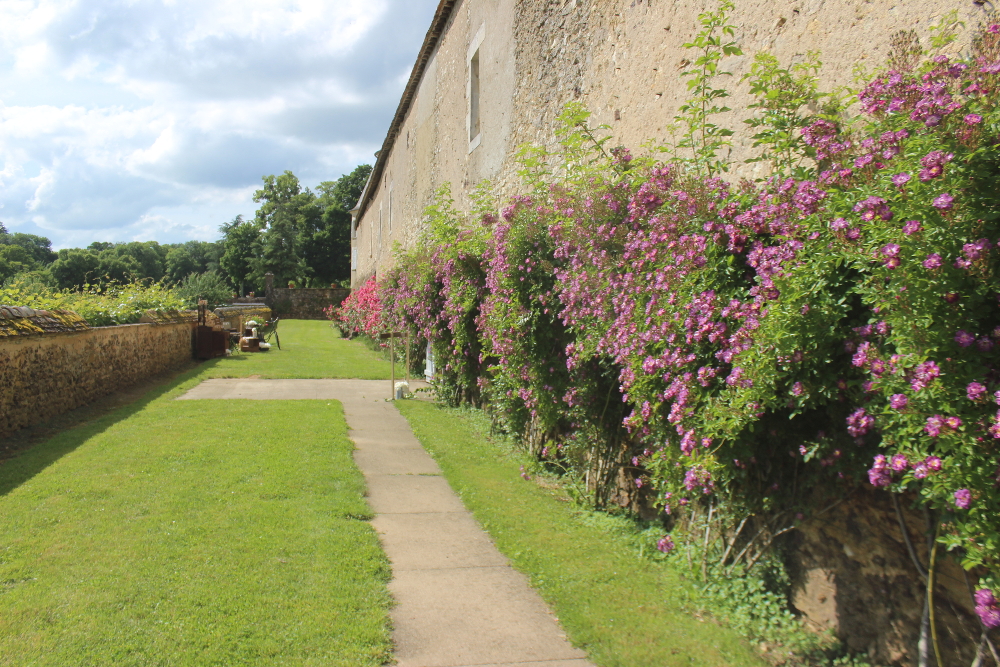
859	422
911	227
964	338
943	202
973	119
898	401
665	544
798	389
920	470
933	425
838	224
899	180
923	374
900	462
987	608
953	423
975	391
962	499
879	475
933	463
933	261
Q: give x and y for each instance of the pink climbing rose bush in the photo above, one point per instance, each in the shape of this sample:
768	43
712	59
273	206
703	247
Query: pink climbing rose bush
835	324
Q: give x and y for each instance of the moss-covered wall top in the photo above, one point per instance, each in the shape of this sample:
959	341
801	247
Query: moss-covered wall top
24	321
169	317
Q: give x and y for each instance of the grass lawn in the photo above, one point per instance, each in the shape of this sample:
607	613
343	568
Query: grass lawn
309	349
195	533
622	609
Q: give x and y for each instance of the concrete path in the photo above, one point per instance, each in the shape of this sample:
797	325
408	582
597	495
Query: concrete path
459	602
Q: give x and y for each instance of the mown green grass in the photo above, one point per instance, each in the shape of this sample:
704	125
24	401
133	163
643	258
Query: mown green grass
309	349
624	610
192	533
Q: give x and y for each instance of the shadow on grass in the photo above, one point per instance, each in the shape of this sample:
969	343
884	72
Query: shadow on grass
74	428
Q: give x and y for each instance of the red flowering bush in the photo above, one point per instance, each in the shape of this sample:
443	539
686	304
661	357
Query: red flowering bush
361	312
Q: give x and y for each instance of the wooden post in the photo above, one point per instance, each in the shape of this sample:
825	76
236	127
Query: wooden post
392	376
407	357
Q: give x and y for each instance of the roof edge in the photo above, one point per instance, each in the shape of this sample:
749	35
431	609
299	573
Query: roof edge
431	39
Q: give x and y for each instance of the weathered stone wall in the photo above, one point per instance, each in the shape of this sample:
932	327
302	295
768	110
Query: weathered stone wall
45	375
306	303
853	575
622	59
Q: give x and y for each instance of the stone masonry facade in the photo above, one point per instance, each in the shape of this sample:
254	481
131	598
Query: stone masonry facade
621	58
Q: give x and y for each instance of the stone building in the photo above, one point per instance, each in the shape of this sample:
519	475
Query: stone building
492	75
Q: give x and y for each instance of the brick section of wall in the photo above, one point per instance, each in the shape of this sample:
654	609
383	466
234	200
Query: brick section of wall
306	303
46	375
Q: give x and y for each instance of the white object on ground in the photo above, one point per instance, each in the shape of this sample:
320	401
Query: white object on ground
402	388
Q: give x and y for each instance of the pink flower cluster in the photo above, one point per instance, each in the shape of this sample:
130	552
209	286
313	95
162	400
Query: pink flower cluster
361	311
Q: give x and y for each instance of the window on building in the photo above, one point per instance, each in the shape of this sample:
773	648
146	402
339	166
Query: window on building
474	89
390	209
474	97
354	259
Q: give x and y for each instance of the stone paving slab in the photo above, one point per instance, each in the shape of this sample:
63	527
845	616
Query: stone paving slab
459	603
411	494
520	626
434	541
402	461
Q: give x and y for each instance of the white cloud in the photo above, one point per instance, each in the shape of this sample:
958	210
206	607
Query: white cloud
155	120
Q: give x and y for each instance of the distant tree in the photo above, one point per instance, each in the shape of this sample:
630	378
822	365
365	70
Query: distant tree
98	246
149	256
241	239
285	215
114	266
14	260
209	286
192	257
180	263
39	247
328	249
75	267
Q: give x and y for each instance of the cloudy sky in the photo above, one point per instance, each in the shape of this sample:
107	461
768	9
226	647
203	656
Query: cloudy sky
155	119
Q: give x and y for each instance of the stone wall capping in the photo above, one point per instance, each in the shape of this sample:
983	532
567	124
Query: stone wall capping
25	321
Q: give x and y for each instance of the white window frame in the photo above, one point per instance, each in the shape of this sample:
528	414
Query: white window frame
473	90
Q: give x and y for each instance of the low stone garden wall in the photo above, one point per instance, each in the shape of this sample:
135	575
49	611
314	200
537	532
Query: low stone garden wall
305	303
45	374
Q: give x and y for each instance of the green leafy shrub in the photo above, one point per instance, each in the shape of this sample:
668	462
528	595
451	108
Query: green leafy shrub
115	303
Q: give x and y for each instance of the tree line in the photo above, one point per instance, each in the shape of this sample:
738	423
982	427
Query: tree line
299	235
